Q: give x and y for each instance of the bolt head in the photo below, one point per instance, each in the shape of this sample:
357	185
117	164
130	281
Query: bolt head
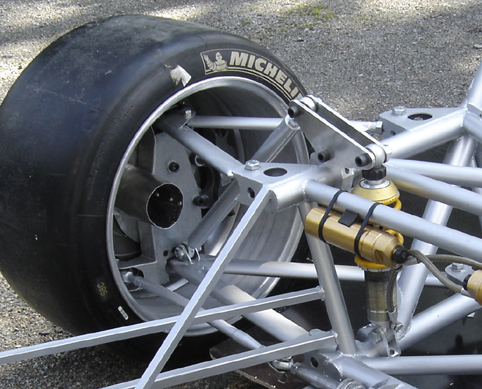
457	266
399	110
180	253
252	164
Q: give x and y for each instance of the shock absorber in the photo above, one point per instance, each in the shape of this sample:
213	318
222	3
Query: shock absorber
375	247
376	187
376	250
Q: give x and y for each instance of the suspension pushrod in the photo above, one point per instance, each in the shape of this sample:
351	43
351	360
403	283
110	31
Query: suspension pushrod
301	345
277	141
251	123
300	270
234	122
413	226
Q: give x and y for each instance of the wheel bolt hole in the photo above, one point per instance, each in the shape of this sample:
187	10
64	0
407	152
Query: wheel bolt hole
201	201
251	193
324	156
314	362
173	167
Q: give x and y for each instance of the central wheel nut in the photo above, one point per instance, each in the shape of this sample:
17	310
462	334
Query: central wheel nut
144	197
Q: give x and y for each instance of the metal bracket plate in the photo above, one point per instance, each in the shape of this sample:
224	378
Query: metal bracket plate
336	141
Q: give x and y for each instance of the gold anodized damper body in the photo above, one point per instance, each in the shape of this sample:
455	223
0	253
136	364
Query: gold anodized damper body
375	245
474	286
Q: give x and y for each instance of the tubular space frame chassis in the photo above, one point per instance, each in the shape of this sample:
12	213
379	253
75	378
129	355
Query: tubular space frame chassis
334	358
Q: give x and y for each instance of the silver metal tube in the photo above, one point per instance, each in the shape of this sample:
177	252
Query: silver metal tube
234	333
477	189
334	300
272	269
281	134
472	124
425	137
457	175
239	361
413	278
437	317
270	148
214	217
290	270
314	377
276	141
250	123
206	150
474	94
156	326
370	377
202	292
436	190
452	240
271	321
433	364
301	271
234	123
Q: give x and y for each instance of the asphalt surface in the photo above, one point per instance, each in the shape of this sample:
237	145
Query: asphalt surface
361	57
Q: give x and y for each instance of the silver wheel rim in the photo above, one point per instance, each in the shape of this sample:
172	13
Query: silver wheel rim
274	238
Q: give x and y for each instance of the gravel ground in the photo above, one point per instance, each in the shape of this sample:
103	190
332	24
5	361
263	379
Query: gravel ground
361	56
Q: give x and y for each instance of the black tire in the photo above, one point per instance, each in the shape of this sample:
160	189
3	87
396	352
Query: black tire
78	115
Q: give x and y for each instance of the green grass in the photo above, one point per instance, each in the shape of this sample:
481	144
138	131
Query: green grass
320	12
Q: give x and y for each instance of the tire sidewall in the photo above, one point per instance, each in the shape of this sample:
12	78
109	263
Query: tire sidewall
114	105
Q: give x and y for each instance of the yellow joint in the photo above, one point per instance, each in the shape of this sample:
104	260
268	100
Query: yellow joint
474	286
386	195
370	266
375	245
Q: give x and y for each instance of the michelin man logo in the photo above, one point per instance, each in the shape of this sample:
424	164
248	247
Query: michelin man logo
223	60
218	65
